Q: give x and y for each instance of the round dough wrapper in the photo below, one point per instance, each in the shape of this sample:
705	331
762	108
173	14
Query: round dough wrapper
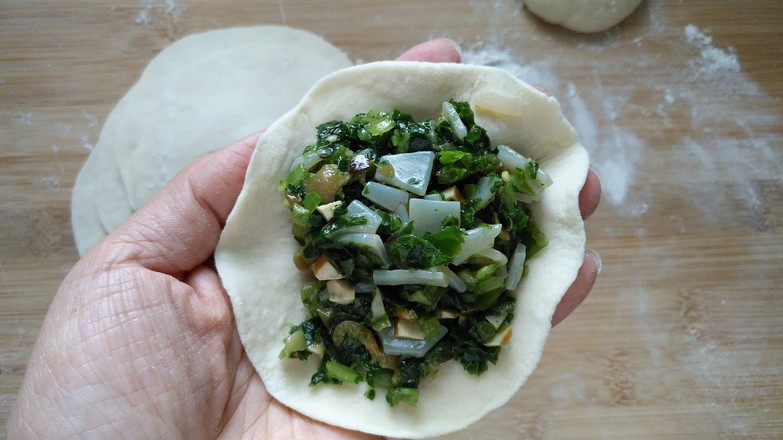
254	255
198	95
583	15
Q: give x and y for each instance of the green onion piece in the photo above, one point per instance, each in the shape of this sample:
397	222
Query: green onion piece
490	296
341	372
380	378
292	343
407	395
300	215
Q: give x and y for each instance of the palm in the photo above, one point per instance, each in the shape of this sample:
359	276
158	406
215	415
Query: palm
158	355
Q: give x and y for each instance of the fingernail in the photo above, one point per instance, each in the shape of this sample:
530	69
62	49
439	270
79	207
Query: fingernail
597	177
541	89
596	259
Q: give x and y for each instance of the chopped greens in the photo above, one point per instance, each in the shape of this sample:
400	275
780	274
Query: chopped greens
417	234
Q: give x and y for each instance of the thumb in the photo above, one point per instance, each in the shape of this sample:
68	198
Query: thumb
179	227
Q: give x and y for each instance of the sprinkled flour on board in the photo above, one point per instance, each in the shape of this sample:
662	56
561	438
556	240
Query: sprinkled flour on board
171	8
713	59
599	113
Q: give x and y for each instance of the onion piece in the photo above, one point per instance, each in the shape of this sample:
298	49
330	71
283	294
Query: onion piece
370	227
399	277
516	267
450	113
386	197
492	255
373	242
309	159
476	240
428	215
485	191
393	346
402	213
455	282
511	158
380	319
408	171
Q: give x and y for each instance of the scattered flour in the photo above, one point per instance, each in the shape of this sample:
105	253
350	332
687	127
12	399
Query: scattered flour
63	128
25	119
49	181
92	120
89	146
713	60
171	8
282	12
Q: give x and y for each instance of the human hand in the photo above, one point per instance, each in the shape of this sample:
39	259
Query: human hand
140	342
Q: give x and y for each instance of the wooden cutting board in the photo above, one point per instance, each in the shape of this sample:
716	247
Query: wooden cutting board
680	106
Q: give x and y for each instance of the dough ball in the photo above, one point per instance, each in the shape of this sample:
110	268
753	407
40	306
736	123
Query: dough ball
583	15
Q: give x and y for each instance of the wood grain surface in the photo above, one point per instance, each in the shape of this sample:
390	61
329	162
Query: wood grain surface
680	107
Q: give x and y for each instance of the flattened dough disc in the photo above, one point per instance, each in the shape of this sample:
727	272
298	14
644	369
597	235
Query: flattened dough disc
198	95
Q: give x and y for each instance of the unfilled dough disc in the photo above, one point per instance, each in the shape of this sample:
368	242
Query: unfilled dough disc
255	254
583	15
198	95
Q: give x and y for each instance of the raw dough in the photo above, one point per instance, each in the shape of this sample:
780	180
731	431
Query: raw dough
254	255
198	95
583	15
94	178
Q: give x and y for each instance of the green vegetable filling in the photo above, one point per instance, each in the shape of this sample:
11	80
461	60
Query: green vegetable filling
401	289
